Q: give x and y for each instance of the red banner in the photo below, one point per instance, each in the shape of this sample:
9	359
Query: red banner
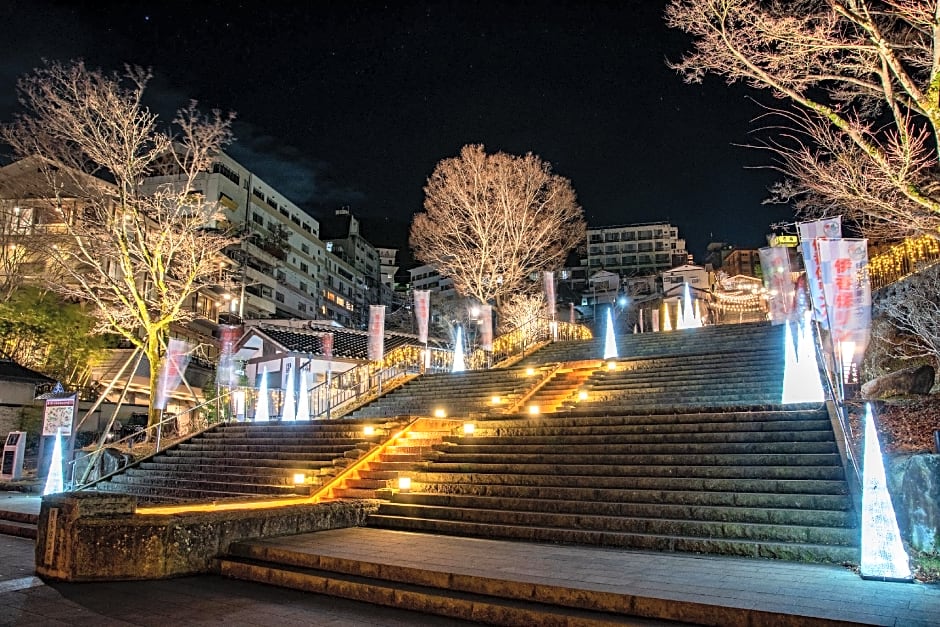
775	263
326	345
844	268
376	332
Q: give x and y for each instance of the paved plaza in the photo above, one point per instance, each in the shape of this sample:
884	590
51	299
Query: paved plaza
823	593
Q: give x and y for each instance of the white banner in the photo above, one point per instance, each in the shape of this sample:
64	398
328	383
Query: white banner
422	313
486	327
174	365
778	279
809	231
376	332
844	268
548	278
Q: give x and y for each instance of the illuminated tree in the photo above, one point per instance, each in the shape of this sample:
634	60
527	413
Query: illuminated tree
491	220
863	79
137	244
912	307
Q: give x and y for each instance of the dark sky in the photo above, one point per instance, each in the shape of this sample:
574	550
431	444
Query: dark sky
353	103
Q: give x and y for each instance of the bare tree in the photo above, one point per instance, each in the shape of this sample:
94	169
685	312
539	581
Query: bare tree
521	310
863	77
136	249
490	221
912	307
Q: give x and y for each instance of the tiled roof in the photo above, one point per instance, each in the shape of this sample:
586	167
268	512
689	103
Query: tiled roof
12	371
347	343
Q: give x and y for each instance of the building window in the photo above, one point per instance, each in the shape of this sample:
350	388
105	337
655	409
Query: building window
257	218
304	248
279	297
304	267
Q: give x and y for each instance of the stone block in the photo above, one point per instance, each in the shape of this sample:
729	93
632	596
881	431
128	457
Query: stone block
915	489
917	380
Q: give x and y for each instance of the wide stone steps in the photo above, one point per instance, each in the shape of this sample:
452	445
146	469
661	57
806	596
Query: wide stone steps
743	547
178	484
261	477
234	465
159	494
19	524
525	450
665	436
713	459
444	469
671	494
623	523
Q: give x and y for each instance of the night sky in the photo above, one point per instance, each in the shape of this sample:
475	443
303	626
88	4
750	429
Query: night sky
353	103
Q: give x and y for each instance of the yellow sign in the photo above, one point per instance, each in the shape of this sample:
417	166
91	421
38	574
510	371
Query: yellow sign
783	240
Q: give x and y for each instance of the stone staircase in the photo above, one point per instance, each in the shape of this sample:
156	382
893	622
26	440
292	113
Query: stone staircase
248	460
685	452
464	393
20	524
755	483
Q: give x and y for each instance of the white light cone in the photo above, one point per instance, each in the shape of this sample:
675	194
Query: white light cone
54	480
883	554
688	317
303	398
667	319
289	407
262	412
808	365
459	364
610	342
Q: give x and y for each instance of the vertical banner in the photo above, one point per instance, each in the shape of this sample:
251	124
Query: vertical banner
654	315
422	313
228	336
844	269
486	327
326	345
548	278
174	365
809	231
376	332
571	313
778	279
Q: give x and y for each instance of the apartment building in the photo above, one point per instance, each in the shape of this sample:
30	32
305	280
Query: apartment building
634	249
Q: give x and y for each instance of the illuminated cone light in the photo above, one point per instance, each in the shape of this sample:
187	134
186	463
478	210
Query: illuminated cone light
289	409
459	365
883	554
801	383
610	342
54	480
303	400
262	414
667	319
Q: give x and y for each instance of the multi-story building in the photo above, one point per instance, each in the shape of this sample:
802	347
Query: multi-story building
342	235
427	277
388	261
742	261
634	249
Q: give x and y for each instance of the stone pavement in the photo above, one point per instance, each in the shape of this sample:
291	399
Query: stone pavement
824	592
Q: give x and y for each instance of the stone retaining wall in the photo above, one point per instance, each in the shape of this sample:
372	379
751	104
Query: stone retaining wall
87	536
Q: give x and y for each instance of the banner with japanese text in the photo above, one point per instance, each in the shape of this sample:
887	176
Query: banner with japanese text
847	289
809	231
326	345
376	332
422	313
778	279
174	365
486	327
548	278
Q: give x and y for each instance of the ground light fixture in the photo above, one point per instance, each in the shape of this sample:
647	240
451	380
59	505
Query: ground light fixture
440	413
534	409
469	428
404	484
582	395
529	372
611	365
368	430
496	400
300	478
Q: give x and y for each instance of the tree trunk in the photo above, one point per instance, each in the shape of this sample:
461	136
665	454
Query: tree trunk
155	360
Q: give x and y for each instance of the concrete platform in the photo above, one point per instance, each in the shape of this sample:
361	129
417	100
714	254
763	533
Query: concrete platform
659	586
736	591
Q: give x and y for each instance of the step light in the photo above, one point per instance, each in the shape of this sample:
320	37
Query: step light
368	430
534	410
469	428
529	372
300	478
404	484
611	365
582	395
440	413
496	400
